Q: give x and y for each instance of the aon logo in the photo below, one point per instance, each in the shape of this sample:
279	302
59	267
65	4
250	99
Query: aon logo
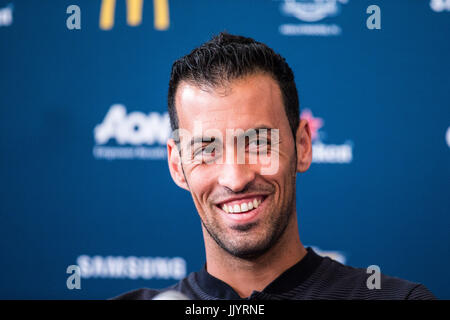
135	128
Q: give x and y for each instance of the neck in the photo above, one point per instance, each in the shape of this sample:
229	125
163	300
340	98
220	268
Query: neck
245	276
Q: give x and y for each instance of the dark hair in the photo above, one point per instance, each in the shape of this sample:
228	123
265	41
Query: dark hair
227	57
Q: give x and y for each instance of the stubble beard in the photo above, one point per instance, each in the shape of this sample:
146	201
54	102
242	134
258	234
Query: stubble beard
259	244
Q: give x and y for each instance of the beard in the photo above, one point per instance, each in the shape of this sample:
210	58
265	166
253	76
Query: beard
249	250
252	240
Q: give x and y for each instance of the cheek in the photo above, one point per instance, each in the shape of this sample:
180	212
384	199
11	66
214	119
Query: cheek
201	182
285	177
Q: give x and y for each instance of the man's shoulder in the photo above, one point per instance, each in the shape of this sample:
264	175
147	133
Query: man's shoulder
183	287
138	294
366	283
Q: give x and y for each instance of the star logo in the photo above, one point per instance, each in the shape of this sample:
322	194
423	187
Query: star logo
314	123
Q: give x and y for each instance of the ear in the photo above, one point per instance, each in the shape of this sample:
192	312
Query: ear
175	167
304	147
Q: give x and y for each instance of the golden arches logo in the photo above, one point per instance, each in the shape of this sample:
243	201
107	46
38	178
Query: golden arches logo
134	13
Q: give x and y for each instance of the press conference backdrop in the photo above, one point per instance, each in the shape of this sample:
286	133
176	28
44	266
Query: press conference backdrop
84	178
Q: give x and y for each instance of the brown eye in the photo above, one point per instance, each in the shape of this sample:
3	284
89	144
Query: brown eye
208	153
257	144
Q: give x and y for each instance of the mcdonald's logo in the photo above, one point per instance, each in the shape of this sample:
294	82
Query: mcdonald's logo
161	20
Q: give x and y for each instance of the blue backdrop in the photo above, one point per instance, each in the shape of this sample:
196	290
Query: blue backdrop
83	173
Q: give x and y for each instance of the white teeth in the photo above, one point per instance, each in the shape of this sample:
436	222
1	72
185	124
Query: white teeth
244	207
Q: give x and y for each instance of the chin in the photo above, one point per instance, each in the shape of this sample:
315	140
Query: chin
249	250
249	253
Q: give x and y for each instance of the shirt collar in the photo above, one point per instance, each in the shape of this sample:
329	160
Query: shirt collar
288	280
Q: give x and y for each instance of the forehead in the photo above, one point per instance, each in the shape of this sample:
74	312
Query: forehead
254	100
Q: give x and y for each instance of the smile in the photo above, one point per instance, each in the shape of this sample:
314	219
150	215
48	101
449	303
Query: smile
244	209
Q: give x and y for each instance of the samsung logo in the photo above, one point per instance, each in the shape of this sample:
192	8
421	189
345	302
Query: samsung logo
132	267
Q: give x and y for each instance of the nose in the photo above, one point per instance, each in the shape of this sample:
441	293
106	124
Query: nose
235	176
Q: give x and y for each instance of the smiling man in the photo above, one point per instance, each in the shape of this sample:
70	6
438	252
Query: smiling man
238	146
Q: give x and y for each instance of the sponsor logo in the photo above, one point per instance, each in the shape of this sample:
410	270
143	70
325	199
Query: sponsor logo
131	136
326	153
311	12
339	256
6	15
440	5
131	267
134	14
447	137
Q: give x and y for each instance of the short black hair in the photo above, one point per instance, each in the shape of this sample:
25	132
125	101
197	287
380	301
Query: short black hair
228	57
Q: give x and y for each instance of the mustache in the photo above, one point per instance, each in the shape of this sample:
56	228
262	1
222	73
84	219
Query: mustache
250	189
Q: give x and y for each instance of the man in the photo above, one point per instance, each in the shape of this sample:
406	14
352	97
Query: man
236	85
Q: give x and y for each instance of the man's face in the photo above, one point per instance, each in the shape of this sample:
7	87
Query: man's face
262	205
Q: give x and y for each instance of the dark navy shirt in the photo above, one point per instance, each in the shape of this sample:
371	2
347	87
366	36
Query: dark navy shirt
313	277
